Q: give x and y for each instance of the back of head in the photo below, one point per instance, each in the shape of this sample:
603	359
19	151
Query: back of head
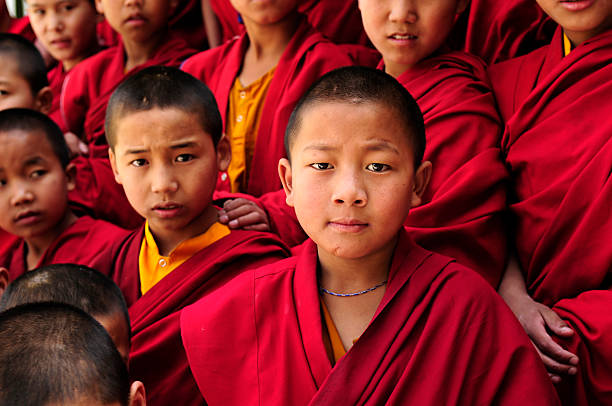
29	61
30	121
53	353
76	285
360	85
163	87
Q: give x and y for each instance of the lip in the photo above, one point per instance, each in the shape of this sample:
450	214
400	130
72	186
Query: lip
403	38
167	210
27	217
61	43
136	19
577	5
348	225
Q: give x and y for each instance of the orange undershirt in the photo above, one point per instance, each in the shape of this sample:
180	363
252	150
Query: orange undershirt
154	267
567	45
243	117
334	338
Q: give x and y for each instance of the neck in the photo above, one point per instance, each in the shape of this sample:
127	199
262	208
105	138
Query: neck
269	41
37	245
396	70
578	37
138	53
69	64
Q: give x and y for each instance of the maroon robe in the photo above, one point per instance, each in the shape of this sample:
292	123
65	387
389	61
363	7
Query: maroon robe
157	357
56	76
558	147
440	336
89	242
21	26
307	57
85	95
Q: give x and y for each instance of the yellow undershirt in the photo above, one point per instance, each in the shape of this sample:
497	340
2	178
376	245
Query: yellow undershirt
243	117
154	267
567	45
334	338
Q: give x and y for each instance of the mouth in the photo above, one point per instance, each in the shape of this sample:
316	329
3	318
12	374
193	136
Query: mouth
61	43
27	217
348	225
168	209
403	37
136	19
576	5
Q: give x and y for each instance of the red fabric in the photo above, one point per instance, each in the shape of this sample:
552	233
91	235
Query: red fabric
499	30
463	207
307	57
440	336
558	147
157	357
56	76
7	241
340	21
89	242
22	27
85	95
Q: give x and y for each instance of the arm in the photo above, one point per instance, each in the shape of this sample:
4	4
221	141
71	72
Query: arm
540	323
211	25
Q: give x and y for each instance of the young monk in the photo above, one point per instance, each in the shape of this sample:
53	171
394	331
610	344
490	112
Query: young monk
164	132
79	286
257	79
67	31
557	145
35	177
461	213
362	314
56	354
145	41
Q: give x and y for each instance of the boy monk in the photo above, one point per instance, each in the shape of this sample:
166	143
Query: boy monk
560	287
362	315
56	354
79	286
35	177
164	132
461	213
145	41
257	79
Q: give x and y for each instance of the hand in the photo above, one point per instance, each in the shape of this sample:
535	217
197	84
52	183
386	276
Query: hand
541	323
245	214
75	145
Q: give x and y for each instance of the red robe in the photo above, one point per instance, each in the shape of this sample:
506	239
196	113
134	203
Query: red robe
499	30
21	26
157	357
307	57
89	242
558	147
463	207
440	336
85	95
56	76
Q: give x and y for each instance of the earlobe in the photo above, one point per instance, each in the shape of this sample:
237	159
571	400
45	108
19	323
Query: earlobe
113	162
286	177
4	280
224	154
99	7
71	176
421	180
137	394
44	100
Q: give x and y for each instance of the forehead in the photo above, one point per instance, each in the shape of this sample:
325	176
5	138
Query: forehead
9	68
21	143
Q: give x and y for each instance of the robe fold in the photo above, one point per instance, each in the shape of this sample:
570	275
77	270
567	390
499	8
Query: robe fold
89	242
462	213
558	147
85	95
56	76
157	357
440	336
500	30
307	57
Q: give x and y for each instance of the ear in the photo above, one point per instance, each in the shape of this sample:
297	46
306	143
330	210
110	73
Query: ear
71	175
4	280
461	6
43	100
286	177
137	394
113	162
99	7
224	154
421	180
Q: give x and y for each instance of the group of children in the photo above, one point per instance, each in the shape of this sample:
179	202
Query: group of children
295	217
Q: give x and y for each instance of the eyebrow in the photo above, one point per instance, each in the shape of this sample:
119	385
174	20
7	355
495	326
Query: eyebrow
382	145
186	144
33	161
320	147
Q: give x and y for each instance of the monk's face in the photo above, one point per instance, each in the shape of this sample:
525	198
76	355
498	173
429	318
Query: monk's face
264	12
33	185
15	91
407	31
351	178
137	20
580	20
168	167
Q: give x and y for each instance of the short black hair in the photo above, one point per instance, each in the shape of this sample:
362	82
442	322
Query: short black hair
358	85
29	61
30	121
76	285
57	353
163	87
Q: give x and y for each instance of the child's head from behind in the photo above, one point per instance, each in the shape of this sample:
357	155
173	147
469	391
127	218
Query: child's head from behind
35	175
164	131
580	20
79	286
23	75
355	143
405	31
56	354
66	28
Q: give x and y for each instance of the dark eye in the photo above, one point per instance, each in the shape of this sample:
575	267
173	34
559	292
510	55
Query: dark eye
3	92
184	158
2	182
376	167
37	173
138	162
321	166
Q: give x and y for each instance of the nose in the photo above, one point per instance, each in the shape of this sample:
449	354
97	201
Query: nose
55	22
349	189
403	11
21	194
163	180
134	3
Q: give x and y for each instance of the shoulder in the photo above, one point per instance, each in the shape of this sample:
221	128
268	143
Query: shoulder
95	64
210	59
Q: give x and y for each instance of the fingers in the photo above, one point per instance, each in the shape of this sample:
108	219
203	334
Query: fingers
245	214
232	204
556	368
555	324
75	145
